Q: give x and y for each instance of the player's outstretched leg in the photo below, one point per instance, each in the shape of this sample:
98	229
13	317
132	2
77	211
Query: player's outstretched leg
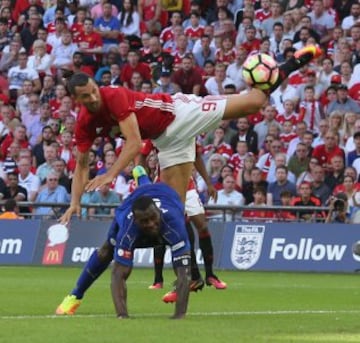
97	264
301	57
159	253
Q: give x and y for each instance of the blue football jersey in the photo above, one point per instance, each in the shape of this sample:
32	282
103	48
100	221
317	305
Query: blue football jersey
172	229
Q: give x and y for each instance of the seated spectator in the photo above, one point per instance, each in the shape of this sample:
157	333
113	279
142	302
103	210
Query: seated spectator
343	103
47	137
299	162
323	129
40	61
266	162
129	19
237	160
245	134
285	199
335	176
214	166
11	210
166	86
259	195
45	168
225	171
275	188
103	196
325	152
338	211
218	146
215	85
23	101
228	196
305	198
62	54
27	179
14	190
59	167
51	193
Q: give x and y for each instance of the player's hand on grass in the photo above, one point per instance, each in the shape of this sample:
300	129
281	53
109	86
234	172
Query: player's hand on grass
66	217
97	182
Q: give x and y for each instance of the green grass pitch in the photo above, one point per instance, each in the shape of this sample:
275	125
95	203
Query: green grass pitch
256	307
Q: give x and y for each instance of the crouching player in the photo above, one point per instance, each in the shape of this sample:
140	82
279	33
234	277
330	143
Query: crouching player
152	215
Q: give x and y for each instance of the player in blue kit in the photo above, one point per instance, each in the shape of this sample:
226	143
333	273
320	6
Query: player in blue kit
152	215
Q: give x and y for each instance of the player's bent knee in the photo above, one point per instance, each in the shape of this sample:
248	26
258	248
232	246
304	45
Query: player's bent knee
106	252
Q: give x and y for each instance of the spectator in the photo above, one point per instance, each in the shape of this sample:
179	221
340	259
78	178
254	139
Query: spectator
245	134
255	181
321	21
299	162
51	193
225	171
27	179
18	74
188	78
338	212
10	59
284	93
206	53
305	198
276	16
168	32
229	133
259	195
319	188
47	137
17	135
103	196
228	196
63	52
90	44
218	146
40	60
325	152
158	59
150	14
350	126
335	175
343	103
349	21
323	129
45	168
48	91
262	127
29	33
129	19
281	184
166	86
59	166
214	166
11	210
108	26
215	85
23	101
134	65
251	43
14	190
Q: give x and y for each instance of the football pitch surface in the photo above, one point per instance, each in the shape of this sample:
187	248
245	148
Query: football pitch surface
256	307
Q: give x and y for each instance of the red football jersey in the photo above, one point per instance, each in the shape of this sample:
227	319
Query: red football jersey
154	113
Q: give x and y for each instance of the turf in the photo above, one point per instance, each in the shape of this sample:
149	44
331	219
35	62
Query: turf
256	307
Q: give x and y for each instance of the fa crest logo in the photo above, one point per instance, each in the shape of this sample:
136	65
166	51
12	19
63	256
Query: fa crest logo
247	243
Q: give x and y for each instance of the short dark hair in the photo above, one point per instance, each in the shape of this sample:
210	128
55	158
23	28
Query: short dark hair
142	203
77	80
10	205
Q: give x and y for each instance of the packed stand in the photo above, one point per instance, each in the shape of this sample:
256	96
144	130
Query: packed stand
301	149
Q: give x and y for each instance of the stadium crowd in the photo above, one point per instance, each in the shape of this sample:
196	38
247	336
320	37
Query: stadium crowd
301	149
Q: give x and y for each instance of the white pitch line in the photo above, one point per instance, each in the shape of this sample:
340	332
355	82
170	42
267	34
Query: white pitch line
205	314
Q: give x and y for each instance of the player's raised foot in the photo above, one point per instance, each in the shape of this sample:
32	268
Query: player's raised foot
170	297
140	176
68	306
156	285
197	285
216	282
306	54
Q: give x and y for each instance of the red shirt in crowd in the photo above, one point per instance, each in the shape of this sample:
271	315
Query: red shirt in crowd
324	156
154	113
128	70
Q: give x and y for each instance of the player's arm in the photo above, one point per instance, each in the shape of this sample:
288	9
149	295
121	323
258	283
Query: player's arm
200	167
120	273
182	289
130	130
81	176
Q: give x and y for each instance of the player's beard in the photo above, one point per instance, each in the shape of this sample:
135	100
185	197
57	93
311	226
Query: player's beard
93	107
